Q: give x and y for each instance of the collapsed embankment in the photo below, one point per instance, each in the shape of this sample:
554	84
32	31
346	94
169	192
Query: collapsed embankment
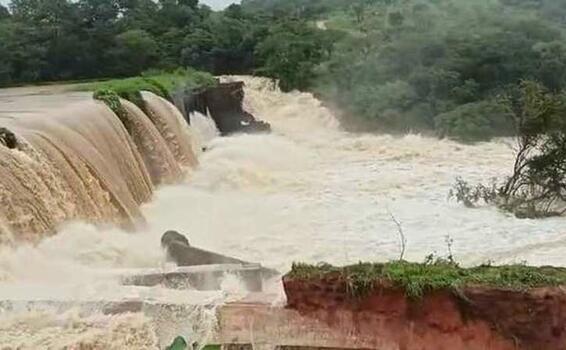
378	312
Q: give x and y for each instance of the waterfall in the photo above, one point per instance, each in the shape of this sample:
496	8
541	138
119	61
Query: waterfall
157	156
84	163
205	129
169	121
306	192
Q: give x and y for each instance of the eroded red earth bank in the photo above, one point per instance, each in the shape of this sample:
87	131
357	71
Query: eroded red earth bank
472	318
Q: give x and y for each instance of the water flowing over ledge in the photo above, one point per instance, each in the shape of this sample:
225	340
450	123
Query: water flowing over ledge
307	192
84	163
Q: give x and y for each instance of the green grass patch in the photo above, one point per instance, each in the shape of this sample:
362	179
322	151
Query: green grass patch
160	83
417	279
212	347
112	100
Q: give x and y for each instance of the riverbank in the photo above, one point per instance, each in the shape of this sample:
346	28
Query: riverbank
437	305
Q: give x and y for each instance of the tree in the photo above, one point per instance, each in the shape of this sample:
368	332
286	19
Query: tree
135	51
6	69
452	57
4	13
537	185
290	53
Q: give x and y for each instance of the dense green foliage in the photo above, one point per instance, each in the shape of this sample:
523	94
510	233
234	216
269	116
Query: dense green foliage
68	40
160	83
53	40
418	279
418	65
537	186
396	65
442	65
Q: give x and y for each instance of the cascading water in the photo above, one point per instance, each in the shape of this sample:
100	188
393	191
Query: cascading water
170	123
204	130
157	156
307	192
78	165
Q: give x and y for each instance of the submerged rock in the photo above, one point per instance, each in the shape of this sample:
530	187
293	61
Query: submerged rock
173	236
183	254
8	138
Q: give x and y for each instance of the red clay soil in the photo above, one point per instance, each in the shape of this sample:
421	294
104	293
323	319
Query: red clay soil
474	318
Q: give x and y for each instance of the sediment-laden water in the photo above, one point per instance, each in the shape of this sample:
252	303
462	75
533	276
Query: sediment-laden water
307	192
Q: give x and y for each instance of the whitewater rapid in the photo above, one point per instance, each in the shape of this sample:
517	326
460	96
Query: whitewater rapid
307	192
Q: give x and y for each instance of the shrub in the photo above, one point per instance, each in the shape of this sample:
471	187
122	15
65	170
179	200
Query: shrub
537	186
475	121
160	83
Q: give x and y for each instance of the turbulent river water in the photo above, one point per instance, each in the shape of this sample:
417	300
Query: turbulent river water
307	192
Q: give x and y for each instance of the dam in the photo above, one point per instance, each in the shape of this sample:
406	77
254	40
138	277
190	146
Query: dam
87	196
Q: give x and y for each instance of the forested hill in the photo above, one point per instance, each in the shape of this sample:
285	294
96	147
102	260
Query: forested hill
50	40
439	65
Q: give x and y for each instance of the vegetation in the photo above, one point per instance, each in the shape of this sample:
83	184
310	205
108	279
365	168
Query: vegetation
57	40
537	186
399	65
432	275
441	66
112	100
160	83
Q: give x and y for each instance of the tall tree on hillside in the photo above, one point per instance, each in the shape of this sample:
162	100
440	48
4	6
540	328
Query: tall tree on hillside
135	51
4	13
139	14
290	53
6	68
42	37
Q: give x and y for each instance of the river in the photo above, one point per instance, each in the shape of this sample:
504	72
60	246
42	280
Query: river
307	192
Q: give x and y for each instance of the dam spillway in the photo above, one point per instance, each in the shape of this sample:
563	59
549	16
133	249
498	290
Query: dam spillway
81	163
307	192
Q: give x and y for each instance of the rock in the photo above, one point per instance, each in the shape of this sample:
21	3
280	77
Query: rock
173	236
183	254
8	138
224	103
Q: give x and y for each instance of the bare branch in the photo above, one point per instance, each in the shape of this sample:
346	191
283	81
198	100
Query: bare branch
402	239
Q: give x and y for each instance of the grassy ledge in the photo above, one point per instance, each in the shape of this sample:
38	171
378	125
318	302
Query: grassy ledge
163	84
417	279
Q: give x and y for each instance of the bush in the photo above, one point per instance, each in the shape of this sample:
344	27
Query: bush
439	66
537	186
475	121
160	83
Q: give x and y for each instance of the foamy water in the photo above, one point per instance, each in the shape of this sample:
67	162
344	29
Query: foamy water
307	192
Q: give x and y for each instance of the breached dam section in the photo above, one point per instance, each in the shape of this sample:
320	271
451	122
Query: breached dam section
87	195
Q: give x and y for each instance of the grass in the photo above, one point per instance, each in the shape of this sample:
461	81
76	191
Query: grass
417	279
161	83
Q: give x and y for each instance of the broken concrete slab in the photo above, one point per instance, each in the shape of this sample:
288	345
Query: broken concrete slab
204	277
